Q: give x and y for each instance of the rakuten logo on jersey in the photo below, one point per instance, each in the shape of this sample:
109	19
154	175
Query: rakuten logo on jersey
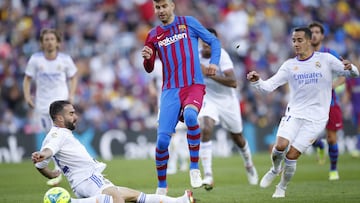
169	40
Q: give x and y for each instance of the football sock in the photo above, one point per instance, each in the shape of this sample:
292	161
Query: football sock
246	154
358	142
319	143
149	198
162	157
101	198
289	171
193	136
333	155
206	157
276	158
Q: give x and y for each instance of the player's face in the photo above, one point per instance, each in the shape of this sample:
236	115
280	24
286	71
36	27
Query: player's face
49	42
205	50
164	10
317	36
70	117
301	44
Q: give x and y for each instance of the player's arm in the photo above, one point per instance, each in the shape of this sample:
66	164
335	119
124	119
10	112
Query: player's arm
73	81
209	39
338	81
41	160
26	90
228	79
149	54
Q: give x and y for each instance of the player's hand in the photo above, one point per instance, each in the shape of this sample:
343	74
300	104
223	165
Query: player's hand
37	157
146	52
347	64
30	103
54	174
253	76
211	70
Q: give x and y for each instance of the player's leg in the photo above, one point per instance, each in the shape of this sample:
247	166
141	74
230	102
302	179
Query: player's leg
231	120
182	149
334	124
306	132
207	126
286	132
191	98
320	152
168	118
333	154
173	155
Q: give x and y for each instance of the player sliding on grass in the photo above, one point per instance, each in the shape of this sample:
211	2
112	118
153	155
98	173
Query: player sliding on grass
83	172
221	106
310	76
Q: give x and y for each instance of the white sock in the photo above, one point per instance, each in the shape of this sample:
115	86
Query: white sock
289	172
276	158
152	198
246	154
102	198
206	156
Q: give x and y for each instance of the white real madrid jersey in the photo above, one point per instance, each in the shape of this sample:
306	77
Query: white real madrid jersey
70	155
51	78
214	89
310	83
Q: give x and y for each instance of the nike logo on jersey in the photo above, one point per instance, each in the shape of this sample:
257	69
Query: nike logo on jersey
160	36
196	102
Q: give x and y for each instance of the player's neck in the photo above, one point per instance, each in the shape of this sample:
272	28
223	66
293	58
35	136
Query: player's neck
171	19
305	55
50	55
317	47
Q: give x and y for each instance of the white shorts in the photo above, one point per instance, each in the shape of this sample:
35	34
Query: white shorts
92	186
225	112
43	121
301	133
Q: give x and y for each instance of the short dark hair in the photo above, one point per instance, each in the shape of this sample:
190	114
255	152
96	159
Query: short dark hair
317	24
213	31
56	107
306	30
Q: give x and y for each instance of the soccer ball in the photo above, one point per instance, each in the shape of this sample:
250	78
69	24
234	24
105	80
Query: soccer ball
57	195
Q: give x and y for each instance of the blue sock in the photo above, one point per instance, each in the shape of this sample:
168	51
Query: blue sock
193	136
333	155
162	157
319	143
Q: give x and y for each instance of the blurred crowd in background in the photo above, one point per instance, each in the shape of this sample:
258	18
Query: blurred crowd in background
105	37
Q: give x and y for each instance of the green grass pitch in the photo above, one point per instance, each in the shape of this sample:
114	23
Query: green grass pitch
22	183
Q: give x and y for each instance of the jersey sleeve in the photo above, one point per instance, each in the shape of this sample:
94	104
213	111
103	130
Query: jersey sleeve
225	61
71	68
207	37
280	78
30	69
149	63
338	67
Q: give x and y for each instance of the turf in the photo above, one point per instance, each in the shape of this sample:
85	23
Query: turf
22	183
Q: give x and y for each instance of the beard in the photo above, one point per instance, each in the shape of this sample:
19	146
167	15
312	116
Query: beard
70	125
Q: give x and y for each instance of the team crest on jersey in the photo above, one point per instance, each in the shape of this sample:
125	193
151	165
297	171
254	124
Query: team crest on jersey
182	28
54	135
296	68
59	67
318	64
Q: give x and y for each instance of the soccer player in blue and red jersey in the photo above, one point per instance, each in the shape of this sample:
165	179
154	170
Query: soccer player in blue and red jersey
335	122
176	43
353	94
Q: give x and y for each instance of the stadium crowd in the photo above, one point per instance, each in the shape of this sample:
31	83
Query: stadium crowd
105	37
